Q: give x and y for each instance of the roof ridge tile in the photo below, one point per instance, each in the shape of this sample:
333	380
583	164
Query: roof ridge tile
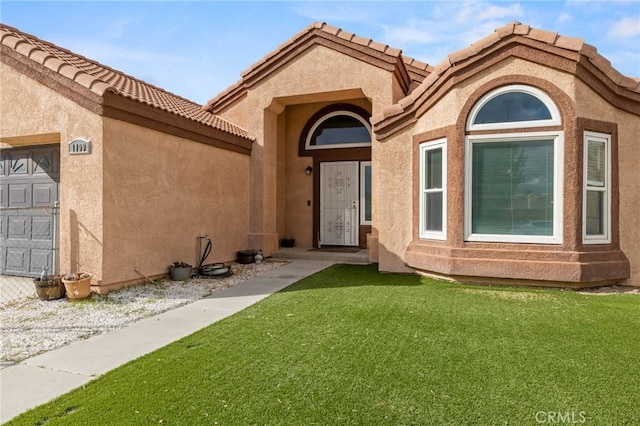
544	36
486	41
330	29
589	51
378	46
345	35
506	30
412	62
570	43
521	29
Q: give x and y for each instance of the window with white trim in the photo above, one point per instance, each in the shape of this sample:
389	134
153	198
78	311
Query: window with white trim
365	193
596	216
433	189
339	129
514	181
512	107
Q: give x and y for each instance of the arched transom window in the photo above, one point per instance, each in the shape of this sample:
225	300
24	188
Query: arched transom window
513	107
339	129
513	190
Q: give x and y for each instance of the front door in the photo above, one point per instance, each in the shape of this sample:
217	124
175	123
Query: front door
339	199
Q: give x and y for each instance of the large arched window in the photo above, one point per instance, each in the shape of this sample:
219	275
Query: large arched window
513	190
339	129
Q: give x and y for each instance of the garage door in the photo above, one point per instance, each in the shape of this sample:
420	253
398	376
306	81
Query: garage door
28	192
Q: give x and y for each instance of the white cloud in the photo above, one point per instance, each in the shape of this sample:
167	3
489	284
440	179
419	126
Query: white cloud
478	19
414	32
117	29
477	12
110	54
625	28
335	12
563	18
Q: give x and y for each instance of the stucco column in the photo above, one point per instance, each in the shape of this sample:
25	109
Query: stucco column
263	233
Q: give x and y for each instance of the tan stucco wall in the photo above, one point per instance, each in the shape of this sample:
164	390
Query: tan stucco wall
318	75
628	160
392	163
29	108
160	193
592	105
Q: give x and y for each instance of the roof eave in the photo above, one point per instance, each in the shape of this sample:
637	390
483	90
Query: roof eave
132	111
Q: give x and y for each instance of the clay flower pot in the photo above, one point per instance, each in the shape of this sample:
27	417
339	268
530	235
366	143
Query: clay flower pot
78	285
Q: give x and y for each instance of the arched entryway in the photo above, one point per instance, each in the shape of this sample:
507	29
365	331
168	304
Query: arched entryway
338	138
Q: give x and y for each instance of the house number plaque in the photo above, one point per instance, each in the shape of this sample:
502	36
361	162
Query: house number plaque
79	146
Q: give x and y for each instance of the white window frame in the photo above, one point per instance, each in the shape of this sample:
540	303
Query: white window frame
340	145
558	195
543	97
363	221
424	147
606	237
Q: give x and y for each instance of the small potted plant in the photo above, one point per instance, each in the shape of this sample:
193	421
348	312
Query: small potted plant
78	285
245	257
287	241
180	271
49	287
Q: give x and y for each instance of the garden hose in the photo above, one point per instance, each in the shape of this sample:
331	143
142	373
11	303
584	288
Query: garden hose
212	270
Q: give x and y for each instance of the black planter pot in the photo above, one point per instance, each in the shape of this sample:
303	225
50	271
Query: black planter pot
287	242
246	256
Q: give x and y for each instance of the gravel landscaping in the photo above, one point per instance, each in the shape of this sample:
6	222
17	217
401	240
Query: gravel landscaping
31	326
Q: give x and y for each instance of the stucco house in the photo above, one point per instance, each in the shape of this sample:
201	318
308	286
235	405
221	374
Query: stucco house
514	160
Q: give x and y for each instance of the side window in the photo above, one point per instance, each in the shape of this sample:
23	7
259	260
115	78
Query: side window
597	189
433	189
365	193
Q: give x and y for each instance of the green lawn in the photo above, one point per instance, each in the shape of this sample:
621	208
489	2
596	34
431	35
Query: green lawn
352	346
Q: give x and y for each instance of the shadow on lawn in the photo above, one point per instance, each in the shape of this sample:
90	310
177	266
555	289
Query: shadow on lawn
335	276
343	275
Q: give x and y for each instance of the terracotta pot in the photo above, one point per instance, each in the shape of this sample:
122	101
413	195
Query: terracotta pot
80	288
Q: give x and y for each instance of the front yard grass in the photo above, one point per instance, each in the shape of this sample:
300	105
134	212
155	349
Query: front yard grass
352	346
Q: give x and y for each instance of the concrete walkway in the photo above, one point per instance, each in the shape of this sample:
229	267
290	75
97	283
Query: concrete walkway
42	378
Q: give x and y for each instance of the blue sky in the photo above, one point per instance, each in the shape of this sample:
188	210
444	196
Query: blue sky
198	48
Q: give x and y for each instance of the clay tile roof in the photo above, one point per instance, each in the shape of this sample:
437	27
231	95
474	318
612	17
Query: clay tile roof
415	70
332	31
513	29
100	79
